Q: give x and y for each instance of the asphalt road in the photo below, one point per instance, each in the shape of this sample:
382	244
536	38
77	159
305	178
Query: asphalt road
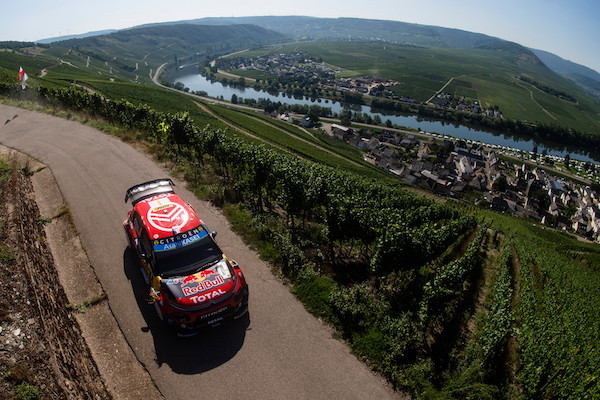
278	352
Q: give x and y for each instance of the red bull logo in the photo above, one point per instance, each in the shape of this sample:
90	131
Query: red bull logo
199	277
202	286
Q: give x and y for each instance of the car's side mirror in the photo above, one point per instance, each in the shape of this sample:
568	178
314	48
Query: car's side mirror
213	234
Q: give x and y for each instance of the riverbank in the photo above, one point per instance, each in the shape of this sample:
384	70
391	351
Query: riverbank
497	143
198	83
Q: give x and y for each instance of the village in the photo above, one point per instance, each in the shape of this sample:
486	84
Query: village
475	173
465	170
301	69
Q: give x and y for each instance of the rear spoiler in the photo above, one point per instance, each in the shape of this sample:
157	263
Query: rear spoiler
148	189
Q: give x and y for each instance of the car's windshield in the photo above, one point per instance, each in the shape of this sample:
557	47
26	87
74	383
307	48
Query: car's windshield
185	253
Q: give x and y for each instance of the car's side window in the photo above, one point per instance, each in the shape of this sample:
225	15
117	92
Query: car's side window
145	241
137	224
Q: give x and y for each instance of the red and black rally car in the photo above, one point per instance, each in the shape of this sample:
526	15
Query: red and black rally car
192	283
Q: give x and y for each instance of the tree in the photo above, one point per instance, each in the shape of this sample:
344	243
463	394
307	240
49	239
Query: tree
500	184
234	99
346	117
567	161
313	115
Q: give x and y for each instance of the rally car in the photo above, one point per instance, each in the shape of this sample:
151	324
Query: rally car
192	283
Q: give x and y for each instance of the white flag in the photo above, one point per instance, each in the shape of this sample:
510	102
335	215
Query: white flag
23	80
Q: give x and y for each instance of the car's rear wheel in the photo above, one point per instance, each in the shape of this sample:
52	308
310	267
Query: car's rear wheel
158	311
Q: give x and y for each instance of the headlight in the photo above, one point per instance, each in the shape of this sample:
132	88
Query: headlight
223	269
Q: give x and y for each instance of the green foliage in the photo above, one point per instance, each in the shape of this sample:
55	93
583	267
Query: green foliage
315	294
32	66
479	371
277	137
558	324
6	253
443	292
357	307
26	391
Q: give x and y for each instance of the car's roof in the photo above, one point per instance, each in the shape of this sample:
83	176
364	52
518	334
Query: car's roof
165	215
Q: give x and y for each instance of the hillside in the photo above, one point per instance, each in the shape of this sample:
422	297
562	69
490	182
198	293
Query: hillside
311	28
443	300
494	74
582	75
158	44
81	36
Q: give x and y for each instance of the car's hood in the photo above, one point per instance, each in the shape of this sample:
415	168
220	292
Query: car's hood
202	288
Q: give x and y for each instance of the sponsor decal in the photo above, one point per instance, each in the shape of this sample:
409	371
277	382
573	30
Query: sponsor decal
159	204
179	240
215	320
204	285
212	295
212	314
167	216
199	277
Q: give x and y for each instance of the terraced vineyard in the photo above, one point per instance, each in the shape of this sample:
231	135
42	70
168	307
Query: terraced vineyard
444	301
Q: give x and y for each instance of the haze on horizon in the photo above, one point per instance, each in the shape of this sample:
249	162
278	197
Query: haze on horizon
567	29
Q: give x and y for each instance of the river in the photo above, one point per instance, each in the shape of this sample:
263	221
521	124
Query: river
196	82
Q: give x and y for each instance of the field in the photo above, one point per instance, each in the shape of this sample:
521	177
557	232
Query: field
286	137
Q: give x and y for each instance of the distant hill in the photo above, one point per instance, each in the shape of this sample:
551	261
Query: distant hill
80	36
312	28
168	41
583	76
425	58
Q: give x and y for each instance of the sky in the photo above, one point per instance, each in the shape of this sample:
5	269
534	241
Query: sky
567	28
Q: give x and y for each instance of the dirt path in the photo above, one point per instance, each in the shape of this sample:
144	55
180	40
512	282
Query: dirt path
229	74
280	351
535	101
304	140
442	89
237	128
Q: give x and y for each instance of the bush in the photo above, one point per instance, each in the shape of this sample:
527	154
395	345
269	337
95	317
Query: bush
315	294
26	391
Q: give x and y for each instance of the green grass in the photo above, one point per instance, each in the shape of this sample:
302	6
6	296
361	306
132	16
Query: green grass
304	150
315	293
253	74
321	140
32	66
243	224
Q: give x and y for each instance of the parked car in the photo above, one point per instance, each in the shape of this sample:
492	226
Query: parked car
192	284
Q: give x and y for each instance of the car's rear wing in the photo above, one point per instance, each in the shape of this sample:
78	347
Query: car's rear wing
148	189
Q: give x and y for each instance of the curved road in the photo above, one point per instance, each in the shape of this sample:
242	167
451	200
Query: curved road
279	352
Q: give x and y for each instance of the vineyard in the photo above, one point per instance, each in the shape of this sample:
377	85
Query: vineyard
445	302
